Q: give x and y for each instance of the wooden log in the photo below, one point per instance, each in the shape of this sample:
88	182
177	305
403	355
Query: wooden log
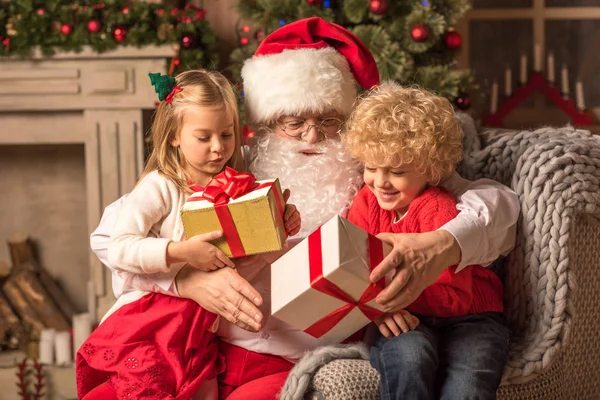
28	315
20	250
12	334
57	294
40	300
4	271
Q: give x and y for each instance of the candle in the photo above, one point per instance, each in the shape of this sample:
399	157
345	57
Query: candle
91	300
507	82
523	79
579	95
62	347
47	346
82	328
551	77
494	100
537	58
564	80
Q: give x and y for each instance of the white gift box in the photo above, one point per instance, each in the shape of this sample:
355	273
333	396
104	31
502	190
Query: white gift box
305	281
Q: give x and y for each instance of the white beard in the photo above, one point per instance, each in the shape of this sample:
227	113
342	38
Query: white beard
320	185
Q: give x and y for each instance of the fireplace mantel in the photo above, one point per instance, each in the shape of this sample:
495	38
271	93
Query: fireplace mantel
91	99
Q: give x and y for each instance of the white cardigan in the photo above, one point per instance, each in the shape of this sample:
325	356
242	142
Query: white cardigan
147	221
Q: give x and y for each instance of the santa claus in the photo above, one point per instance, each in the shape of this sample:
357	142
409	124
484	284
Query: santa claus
299	88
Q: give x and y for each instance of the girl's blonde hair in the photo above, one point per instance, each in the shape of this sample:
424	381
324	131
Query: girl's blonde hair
394	125
199	88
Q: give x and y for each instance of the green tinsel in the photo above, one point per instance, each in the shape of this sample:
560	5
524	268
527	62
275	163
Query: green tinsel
145	24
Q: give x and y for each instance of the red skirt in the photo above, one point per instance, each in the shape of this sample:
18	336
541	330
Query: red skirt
158	347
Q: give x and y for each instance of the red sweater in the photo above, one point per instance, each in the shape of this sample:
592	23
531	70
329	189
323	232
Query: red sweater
473	290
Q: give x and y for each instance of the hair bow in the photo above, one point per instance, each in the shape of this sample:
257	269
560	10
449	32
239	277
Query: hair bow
164	86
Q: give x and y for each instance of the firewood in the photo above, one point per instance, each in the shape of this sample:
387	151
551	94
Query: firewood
20	250
40	300
28	315
4	270
57	294
11	330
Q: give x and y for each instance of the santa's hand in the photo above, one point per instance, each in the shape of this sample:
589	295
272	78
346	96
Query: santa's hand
222	292
419	259
291	216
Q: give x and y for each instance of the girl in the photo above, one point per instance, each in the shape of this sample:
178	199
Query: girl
151	345
409	140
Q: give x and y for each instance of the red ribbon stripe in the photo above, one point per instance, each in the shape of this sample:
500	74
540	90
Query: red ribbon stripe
320	283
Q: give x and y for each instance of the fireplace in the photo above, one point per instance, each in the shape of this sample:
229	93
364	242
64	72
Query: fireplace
71	142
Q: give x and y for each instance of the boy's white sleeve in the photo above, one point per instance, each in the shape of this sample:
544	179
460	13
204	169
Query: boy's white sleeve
485	227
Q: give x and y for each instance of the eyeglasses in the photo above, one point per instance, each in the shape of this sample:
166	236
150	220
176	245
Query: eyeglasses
328	127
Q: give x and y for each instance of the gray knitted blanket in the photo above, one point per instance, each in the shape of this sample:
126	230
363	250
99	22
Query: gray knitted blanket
556	174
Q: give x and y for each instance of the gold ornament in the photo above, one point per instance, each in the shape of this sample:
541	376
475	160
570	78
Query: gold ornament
164	31
10	27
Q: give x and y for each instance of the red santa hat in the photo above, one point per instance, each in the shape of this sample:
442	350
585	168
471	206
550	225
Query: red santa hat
310	65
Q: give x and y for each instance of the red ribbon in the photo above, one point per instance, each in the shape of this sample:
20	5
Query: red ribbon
231	184
318	281
169	98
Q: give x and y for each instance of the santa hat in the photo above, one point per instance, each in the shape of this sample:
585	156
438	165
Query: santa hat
310	65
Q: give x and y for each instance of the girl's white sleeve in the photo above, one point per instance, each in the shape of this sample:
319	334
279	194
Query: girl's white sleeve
130	247
124	281
485	227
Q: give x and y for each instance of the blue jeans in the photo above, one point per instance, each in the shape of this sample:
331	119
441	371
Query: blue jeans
444	358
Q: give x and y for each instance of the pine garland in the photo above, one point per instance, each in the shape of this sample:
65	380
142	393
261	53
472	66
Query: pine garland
429	62
68	26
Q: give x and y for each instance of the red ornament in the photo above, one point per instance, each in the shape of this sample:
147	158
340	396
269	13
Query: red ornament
160	12
259	35
463	102
246	28
125	10
200	14
120	34
313	2
378	7
188	41
244	41
420	33
40	11
453	40
5	42
174	12
66	29
94	26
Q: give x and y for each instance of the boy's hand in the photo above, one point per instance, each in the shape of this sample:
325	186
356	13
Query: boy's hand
198	252
291	216
397	323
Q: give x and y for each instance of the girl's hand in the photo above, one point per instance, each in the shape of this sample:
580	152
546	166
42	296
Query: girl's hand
396	323
199	253
291	216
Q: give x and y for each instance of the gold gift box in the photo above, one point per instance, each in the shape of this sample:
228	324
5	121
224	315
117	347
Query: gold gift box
256	216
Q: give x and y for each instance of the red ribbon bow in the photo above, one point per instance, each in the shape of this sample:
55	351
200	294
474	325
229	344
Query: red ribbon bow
319	282
169	98
229	184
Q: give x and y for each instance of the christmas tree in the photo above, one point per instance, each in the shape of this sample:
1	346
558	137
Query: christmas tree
413	41
66	25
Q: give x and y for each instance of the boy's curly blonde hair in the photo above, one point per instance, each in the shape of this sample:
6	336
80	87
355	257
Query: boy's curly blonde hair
394	125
